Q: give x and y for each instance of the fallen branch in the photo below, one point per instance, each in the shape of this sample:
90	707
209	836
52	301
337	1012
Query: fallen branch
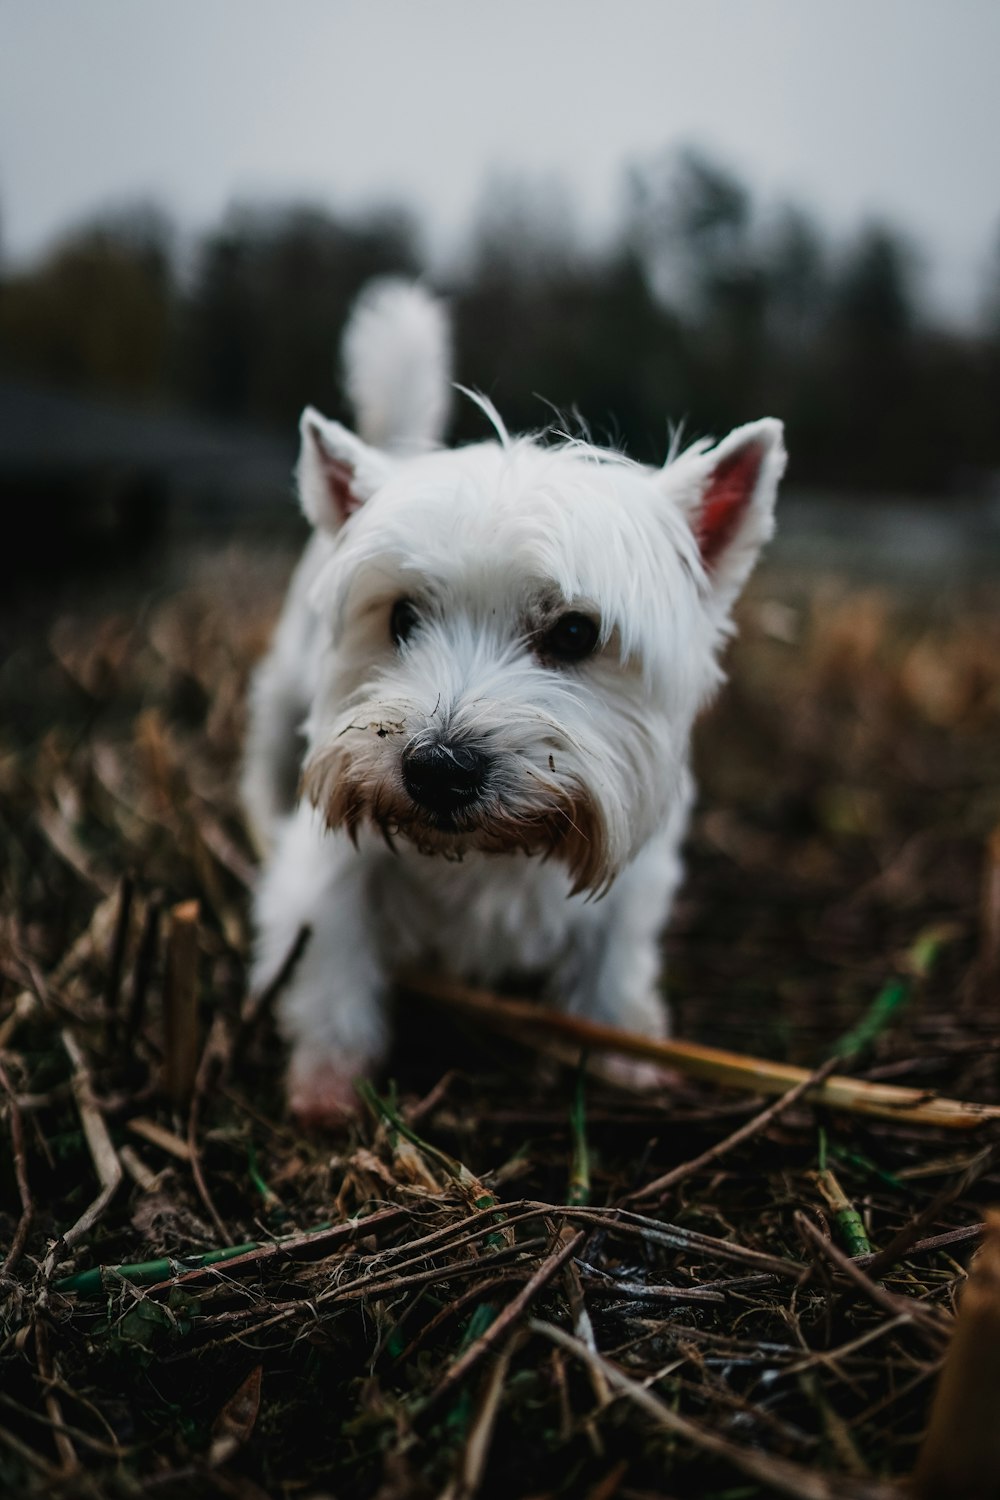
525	1022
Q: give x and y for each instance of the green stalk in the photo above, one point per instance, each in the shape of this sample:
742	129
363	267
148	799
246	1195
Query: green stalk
578	1190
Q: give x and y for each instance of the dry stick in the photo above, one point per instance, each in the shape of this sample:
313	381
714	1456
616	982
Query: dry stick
514	1309
456	1305
472	1464
675	1237
729	1069
141	1175
206	1074
745	1132
960	1458
92	939
116	961
930	1322
368	1287
944	1241
102	1152
180	1002
782	1474
68	1459
145	958
66	844
20	1172
351	1230
910	1233
158	1135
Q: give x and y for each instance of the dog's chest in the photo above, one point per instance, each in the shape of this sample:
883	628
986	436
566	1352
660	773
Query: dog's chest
485	919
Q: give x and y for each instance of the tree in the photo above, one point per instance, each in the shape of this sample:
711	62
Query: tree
96	314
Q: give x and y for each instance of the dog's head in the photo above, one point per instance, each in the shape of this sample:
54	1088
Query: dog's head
520	635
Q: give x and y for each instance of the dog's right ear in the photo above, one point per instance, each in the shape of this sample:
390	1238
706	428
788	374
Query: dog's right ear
336	472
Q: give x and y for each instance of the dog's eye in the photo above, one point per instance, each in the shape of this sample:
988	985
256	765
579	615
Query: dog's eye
571	638
403	620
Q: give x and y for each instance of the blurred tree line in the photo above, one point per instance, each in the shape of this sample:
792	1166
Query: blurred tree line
702	309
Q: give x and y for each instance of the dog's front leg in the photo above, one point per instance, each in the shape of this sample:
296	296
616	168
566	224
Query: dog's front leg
332	1010
613	974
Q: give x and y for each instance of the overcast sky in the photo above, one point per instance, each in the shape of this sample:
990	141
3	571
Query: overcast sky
858	108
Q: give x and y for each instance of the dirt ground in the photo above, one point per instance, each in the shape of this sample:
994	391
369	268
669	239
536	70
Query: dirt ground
480	1288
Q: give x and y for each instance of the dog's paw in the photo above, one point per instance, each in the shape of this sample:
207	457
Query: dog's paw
638	1076
321	1092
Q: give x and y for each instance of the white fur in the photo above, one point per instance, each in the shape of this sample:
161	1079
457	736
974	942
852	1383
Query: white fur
588	790
397	365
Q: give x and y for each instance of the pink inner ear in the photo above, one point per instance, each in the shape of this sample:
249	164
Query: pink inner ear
339	480
725	498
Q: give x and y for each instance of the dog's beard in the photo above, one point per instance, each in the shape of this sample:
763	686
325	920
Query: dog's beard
353	785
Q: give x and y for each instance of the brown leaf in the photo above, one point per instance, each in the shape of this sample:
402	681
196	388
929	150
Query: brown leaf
235	1422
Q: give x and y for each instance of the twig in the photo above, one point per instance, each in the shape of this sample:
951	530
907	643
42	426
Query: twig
20	1172
662	1185
66	844
116	959
183	1269
102	1151
93	938
781	1474
472	1464
675	1237
158	1135
728	1069
946	1241
68	1460
145	958
901	1243
207	1073
578	1188
514	1310
927	1319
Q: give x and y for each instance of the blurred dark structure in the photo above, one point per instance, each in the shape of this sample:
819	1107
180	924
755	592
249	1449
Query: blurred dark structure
84	479
138	380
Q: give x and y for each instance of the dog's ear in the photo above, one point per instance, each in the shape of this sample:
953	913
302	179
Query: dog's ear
336	472
728	493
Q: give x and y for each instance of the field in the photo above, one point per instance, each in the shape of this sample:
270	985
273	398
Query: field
486	1287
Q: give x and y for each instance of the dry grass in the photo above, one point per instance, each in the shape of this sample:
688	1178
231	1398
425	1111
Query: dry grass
508	1279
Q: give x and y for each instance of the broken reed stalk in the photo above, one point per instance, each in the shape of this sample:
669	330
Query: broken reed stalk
180	1002
989	916
525	1022
960	1457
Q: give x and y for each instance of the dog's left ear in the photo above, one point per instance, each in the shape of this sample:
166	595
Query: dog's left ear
728	494
336	472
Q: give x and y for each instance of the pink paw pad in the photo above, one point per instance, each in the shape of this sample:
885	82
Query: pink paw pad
321	1095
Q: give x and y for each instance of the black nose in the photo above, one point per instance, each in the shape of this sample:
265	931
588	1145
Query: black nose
444	778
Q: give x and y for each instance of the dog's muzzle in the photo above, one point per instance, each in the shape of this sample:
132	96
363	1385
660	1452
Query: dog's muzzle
444	779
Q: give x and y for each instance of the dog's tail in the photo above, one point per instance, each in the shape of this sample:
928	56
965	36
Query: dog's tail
396	353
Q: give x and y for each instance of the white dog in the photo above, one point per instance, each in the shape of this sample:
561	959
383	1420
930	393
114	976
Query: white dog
484	679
